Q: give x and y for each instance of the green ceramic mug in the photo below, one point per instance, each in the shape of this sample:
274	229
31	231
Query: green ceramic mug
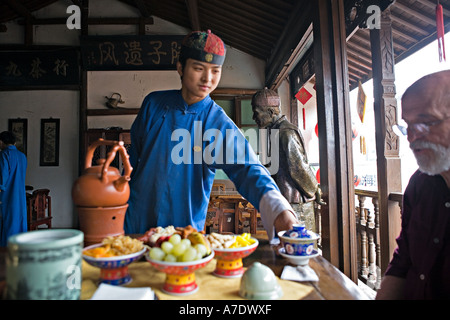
44	265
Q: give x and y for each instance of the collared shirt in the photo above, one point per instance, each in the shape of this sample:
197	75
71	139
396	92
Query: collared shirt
423	253
174	163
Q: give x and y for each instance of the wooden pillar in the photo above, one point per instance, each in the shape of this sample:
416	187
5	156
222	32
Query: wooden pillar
83	92
387	143
335	143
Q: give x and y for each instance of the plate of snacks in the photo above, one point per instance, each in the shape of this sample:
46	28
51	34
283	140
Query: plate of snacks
229	251
179	255
113	256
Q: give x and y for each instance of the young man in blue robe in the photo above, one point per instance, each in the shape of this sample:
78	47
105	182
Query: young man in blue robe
181	137
13	206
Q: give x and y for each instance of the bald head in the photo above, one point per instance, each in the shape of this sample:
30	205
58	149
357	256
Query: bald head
431	94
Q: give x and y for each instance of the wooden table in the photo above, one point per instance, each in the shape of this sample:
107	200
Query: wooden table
332	284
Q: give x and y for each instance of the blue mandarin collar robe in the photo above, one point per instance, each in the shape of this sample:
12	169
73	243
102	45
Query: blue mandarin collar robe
165	192
13	207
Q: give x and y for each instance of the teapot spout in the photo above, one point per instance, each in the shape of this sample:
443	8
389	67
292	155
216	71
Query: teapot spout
120	183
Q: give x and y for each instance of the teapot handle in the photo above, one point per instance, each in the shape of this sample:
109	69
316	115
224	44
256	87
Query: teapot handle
117	145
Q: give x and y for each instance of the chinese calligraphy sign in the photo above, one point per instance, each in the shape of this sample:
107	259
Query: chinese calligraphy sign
39	68
130	52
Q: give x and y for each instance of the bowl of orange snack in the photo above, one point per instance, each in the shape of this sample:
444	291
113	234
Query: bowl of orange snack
229	250
113	256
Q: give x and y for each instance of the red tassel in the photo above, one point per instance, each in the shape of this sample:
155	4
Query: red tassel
440	31
304	119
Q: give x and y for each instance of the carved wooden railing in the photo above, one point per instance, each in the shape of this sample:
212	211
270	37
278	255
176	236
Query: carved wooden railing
368	233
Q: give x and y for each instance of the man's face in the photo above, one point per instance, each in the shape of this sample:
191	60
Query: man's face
199	79
262	116
429	105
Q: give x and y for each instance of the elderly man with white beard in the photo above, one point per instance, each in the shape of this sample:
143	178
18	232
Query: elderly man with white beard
420	267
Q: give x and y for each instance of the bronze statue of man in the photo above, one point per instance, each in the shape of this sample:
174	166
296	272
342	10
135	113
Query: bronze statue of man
294	177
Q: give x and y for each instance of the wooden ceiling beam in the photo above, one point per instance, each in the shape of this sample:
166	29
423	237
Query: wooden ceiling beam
264	14
77	3
362	52
19	8
92	21
232	10
210	18
399	33
363	36
399	20
359	63
357	52
415	13
432	6
192	8
142	8
294	29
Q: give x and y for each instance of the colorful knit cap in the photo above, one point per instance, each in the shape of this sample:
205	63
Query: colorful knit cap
203	46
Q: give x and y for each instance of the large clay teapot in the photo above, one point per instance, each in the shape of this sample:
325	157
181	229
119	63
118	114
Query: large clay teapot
102	185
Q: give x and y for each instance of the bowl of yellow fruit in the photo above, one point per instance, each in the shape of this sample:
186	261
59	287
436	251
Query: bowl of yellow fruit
229	251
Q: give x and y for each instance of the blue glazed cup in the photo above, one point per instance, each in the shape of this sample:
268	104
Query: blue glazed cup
298	244
44	265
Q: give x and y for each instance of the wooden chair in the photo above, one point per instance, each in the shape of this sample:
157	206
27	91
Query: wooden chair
39	209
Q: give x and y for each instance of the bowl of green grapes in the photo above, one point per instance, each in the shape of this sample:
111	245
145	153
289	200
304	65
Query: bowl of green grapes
179	258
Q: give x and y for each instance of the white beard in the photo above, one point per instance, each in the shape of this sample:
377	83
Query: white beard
439	162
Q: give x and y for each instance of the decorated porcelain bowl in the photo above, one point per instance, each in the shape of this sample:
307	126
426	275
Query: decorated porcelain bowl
298	245
113	270
180	276
298	260
229	261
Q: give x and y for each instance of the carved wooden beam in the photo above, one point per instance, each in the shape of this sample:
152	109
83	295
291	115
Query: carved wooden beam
387	143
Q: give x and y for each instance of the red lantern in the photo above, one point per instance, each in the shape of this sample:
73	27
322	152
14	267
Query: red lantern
317	130
318	175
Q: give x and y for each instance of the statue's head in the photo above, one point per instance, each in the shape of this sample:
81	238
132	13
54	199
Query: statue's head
266	106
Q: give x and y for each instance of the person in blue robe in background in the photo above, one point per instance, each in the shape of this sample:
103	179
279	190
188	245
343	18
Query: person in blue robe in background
178	141
13	206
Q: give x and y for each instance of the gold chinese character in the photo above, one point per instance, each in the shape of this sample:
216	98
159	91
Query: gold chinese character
36	71
133	55
175	51
157	45
107	53
61	67
13	70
